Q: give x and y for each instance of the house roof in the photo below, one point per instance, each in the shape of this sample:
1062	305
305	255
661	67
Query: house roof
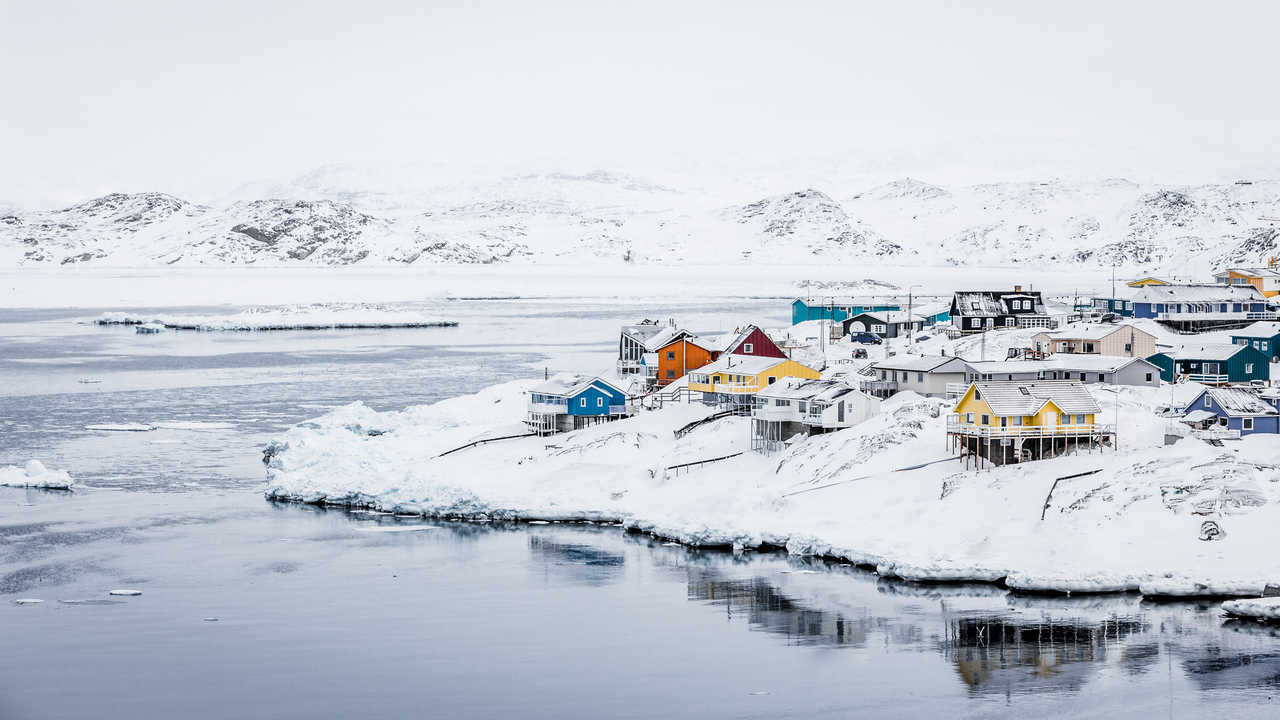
1197	293
993	302
889	316
846	301
663	338
1251	272
796	389
741	364
918	363
1026	398
569	384
1208	351
1237	401
1092	332
1067	361
1260	329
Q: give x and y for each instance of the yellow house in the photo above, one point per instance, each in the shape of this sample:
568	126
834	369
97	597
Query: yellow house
746	374
1003	422
1143	282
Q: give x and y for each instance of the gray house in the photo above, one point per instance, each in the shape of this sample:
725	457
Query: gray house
927	375
1107	369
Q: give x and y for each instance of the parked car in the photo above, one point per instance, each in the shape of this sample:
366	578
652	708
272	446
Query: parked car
921	338
866	338
859	353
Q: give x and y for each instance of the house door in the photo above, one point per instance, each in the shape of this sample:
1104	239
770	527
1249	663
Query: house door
840	412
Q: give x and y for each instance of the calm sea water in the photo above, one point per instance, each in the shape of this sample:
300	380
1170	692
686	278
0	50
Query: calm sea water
254	609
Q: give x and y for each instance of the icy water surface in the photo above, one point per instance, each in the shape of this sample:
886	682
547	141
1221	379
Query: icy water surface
250	609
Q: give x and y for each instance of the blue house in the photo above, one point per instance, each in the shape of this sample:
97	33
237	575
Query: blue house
1213	364
1196	308
838	309
1264	336
1235	409
571	401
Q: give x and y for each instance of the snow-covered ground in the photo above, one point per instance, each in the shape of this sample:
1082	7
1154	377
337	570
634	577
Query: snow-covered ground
35	475
859	494
1267	608
290	317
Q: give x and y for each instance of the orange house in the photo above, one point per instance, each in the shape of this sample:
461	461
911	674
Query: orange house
680	356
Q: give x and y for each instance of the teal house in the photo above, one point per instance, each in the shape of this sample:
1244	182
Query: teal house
1213	364
1264	336
837	309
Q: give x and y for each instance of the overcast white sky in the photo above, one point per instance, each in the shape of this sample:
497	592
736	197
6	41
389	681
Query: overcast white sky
196	98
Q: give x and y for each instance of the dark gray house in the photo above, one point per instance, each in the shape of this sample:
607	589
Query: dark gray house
886	323
976	311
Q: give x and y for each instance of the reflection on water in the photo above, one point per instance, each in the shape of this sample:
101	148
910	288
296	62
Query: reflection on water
575	562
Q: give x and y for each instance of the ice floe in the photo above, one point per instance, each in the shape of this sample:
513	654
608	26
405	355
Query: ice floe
1267	608
121	427
125	592
35	475
291	317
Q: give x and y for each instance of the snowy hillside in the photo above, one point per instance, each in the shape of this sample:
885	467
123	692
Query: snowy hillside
336	216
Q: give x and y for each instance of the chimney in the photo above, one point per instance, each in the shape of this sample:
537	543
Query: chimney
1017	288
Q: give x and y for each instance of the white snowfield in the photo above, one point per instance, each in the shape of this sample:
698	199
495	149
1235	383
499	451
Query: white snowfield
294	317
35	475
1136	525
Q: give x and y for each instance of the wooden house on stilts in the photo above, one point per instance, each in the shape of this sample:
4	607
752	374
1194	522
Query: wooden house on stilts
1008	422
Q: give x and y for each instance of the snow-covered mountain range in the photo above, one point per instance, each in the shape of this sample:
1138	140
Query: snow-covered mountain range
332	217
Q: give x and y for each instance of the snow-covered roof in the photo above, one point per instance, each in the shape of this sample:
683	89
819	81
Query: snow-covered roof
1197	293
891	317
1251	272
918	363
1067	361
1208	351
993	302
741	364
1091	332
846	301
569	384
663	337
1238	401
1196	416
1026	398
796	389
1260	329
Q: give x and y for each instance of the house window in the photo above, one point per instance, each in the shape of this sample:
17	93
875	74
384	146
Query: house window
977	395
1017	420
1206	401
904	376
782	403
1004	422
1264	345
877	328
802	406
882	373
1248	368
1128	347
986	419
671	355
671	374
1088	347
920	377
599	402
968	417
1148	377
747	347
1247	423
772	379
1243	342
1062	347
1079	419
582	402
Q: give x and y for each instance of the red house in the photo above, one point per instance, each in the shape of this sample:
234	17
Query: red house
753	341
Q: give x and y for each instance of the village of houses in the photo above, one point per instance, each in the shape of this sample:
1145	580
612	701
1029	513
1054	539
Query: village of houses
1019	371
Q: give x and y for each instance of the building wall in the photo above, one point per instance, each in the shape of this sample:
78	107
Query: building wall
679	357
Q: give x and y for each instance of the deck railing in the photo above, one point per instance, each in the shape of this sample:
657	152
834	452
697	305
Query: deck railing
1208	378
1027	431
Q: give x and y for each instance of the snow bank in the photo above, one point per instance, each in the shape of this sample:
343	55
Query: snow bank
1260	608
292	317
35	475
884	494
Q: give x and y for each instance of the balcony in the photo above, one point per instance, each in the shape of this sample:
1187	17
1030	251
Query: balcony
1207	378
1188	316
960	427
774	413
879	387
548	408
955	390
726	388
